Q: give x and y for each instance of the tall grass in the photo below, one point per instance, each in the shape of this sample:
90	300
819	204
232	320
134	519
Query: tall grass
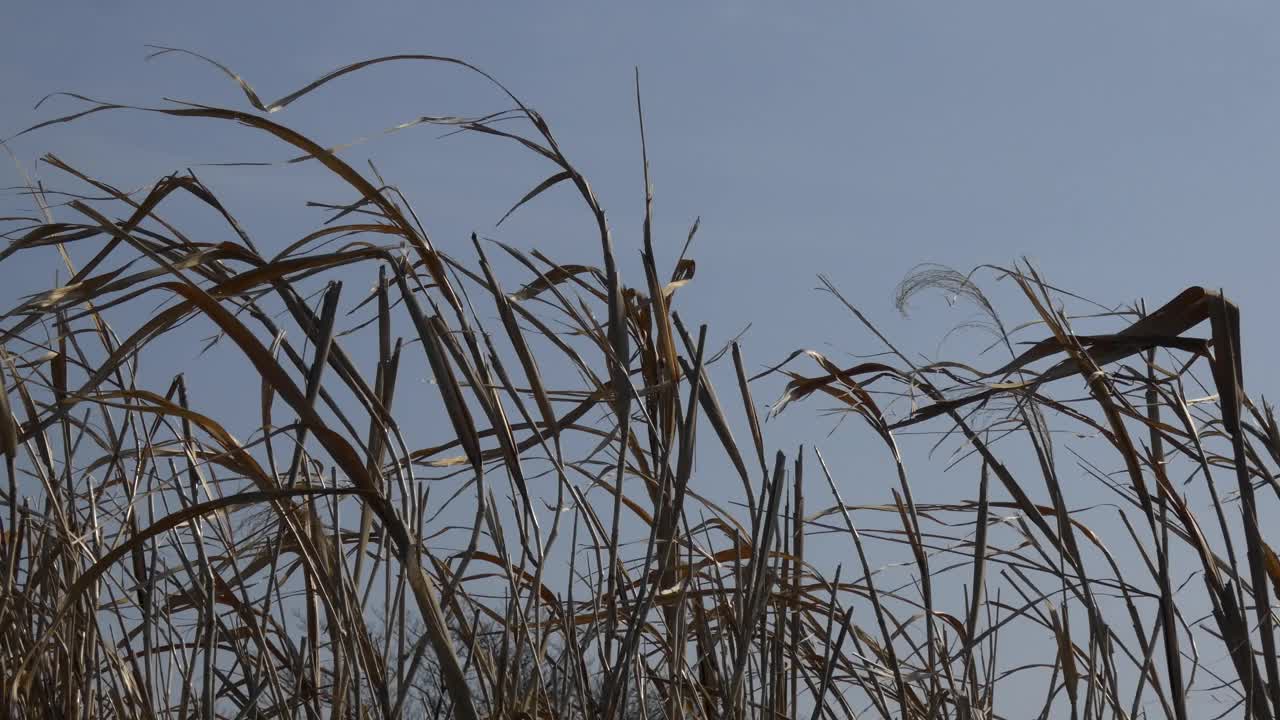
549	544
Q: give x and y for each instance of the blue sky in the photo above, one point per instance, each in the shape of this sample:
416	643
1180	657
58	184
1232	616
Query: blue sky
1129	149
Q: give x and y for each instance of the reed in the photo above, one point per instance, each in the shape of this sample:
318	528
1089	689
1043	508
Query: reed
549	542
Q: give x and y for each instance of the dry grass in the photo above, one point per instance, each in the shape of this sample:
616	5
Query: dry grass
551	550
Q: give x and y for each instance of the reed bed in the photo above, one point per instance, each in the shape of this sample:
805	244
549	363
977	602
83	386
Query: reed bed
553	540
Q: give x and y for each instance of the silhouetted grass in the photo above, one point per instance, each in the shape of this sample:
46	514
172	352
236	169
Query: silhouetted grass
545	548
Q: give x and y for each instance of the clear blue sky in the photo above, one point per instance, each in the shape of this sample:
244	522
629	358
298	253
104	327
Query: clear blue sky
1130	149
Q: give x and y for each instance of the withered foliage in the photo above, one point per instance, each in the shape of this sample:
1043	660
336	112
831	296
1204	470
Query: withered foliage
547	543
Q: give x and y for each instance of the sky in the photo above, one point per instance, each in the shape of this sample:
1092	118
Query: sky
1128	149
